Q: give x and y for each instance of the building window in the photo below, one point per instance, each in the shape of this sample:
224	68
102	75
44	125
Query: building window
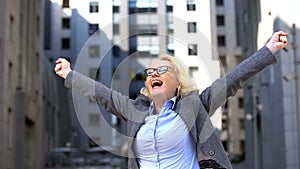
142	10
38	25
37	93
65	23
116	51
242	146
192	49
193	70
94	120
94	51
226	105
133	44
93	28
220	20
241	102
37	62
220	2
116	29
9	126
224	143
94	73
94	7
221	41
171	51
143	29
242	124
170	30
65	43
116	9
65	4
192	27
169	9
191	5
10	74
11	27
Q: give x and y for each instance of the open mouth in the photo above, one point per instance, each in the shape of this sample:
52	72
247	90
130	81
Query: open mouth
156	83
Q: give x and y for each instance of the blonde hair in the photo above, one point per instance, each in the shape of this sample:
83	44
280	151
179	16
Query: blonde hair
186	82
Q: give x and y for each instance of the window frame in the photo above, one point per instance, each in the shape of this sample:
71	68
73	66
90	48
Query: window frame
94	7
192	49
192	27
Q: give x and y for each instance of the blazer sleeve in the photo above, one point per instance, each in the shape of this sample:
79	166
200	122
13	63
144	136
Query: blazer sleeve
215	95
113	101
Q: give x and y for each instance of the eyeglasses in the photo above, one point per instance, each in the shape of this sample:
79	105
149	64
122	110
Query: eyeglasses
160	70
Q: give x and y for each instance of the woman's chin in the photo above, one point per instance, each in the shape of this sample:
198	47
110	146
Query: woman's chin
158	94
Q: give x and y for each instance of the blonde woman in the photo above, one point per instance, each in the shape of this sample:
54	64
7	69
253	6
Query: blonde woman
169	122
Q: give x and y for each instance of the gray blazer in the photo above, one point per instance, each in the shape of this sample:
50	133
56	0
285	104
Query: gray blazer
194	109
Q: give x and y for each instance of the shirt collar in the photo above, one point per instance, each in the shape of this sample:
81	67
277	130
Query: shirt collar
173	102
169	103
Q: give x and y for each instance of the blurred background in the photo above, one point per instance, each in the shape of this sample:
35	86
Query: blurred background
42	124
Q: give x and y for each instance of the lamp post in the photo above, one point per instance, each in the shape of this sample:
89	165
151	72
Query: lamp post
297	83
295	76
252	127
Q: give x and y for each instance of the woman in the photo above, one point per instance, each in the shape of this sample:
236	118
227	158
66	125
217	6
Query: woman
169	123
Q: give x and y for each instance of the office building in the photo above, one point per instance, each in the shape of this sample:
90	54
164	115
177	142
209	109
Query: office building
229	50
81	32
272	97
21	116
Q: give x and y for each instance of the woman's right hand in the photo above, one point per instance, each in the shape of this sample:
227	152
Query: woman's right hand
62	67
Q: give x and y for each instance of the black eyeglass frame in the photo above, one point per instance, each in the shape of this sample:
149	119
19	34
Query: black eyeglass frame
160	70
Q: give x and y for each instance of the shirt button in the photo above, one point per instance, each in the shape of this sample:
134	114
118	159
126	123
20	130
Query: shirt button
211	152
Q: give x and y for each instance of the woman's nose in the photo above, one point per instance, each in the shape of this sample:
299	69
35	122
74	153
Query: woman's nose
154	73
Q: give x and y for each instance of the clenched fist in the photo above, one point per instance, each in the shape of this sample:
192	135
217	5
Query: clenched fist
62	67
277	41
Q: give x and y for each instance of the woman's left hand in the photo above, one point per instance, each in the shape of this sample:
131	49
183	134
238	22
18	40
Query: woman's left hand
277	41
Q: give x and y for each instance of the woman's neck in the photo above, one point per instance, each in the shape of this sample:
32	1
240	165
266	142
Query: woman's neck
157	107
158	103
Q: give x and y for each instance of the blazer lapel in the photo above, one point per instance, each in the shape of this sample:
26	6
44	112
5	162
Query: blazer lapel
188	108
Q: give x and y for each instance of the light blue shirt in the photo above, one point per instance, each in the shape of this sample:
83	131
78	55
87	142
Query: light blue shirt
164	141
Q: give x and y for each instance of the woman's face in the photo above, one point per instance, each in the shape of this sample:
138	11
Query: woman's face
162	85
